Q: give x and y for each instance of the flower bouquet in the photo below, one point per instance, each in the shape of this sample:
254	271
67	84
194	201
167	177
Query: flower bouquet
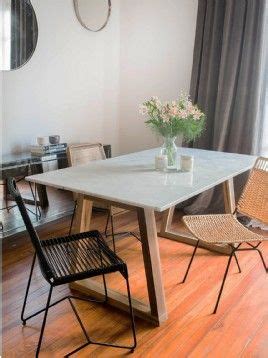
173	118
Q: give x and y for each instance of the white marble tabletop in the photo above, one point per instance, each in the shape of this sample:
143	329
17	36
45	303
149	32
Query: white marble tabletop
131	179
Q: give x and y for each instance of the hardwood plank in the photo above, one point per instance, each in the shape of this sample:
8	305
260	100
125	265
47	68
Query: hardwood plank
190	305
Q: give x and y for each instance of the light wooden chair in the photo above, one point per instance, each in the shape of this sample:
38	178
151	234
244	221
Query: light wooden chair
79	154
226	229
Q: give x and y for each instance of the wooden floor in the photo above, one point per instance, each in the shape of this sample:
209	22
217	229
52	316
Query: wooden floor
239	329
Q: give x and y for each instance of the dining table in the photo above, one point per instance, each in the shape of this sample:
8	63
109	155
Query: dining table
130	181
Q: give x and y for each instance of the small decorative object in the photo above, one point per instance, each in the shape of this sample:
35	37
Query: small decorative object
54	139
161	162
187	163
171	119
41	140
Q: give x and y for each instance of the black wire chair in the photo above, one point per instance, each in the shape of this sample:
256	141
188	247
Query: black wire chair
67	259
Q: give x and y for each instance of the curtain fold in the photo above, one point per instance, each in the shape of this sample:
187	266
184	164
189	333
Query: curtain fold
226	82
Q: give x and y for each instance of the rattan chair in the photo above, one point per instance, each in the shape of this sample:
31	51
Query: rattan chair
226	229
79	154
67	259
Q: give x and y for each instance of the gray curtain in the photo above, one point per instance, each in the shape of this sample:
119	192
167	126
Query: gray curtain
226	82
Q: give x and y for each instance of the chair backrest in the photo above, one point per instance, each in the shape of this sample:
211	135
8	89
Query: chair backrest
79	154
254	199
13	190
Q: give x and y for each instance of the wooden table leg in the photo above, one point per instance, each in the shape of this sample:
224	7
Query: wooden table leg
152	264
166	220
229	196
83	215
188	238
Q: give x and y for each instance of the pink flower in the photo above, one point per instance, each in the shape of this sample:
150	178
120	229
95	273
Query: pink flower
173	111
183	113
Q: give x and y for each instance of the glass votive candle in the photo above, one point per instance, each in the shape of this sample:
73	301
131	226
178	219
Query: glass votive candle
161	162
187	163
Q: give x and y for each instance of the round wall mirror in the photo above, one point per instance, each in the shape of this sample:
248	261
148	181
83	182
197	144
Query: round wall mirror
19	33
93	14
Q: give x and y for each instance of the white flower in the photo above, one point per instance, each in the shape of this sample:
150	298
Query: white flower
143	109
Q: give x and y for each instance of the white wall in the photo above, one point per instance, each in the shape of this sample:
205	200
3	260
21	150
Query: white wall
1	114
70	86
87	86
157	40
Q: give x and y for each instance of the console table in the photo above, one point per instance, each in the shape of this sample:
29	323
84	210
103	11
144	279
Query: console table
14	165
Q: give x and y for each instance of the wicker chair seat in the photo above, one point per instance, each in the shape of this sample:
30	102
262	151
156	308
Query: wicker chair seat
80	256
219	229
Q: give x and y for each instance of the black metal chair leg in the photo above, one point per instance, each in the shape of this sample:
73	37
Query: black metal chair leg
27	291
35	201
223	282
72	219
113	236
190	263
44	322
105	288
79	319
264	264
236	260
107	223
131	317
132	347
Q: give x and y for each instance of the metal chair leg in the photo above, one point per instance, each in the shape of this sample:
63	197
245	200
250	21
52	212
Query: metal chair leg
105	289
132	347
131	317
107	223
190	263
77	315
223	282
113	236
79	319
72	219
236	260
44	322
27	291
37	209
264	264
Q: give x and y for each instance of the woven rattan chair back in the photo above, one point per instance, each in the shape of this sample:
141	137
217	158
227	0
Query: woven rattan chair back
254	199
79	154
30	228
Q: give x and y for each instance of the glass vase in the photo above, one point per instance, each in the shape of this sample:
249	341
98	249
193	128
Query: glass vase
169	149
